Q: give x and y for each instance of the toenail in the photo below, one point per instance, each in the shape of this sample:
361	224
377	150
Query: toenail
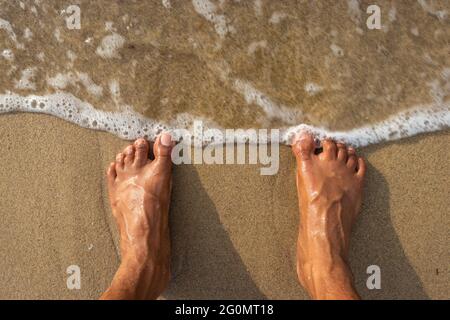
166	139
140	141
129	150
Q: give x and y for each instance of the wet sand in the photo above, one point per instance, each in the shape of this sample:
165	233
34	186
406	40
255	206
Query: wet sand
239	64
233	230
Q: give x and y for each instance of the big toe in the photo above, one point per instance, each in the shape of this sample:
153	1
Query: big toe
303	146
163	151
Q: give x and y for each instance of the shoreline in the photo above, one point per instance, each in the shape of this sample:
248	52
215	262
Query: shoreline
233	230
130	125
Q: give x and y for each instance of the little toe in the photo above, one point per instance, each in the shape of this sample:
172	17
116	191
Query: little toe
111	174
129	155
361	171
141	155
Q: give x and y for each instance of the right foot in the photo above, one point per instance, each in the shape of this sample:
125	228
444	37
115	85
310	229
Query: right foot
329	188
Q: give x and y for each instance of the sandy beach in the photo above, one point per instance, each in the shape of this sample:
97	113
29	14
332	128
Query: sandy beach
102	72
233	230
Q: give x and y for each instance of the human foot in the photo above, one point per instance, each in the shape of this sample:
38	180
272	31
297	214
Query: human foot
139	193
329	188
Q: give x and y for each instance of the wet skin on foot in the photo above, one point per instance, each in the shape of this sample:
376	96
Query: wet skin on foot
329	186
139	193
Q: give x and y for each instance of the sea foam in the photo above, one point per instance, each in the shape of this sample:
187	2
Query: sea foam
130	125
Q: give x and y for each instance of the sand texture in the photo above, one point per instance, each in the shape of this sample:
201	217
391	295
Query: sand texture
234	64
233	231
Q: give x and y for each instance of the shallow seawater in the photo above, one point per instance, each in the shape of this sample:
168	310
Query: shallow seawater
135	68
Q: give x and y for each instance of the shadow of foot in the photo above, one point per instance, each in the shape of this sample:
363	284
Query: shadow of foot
375	242
205	264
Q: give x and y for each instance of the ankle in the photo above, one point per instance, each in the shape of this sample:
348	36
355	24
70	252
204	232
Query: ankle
135	255
327	278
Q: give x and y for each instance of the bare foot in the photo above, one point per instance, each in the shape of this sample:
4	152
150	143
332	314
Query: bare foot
329	188
139	192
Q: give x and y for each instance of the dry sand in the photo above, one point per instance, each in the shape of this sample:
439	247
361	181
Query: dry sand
233	230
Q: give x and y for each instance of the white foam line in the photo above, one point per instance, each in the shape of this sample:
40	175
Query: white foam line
131	125
405	124
126	124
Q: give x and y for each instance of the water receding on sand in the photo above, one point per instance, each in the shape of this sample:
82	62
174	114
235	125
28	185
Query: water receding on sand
136	68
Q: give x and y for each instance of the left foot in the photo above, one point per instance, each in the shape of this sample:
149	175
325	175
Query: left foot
139	192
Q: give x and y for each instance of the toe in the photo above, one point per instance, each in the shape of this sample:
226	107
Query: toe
141	154
120	161
351	162
351	151
361	168
303	147
163	150
129	155
111	174
342	152
329	149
